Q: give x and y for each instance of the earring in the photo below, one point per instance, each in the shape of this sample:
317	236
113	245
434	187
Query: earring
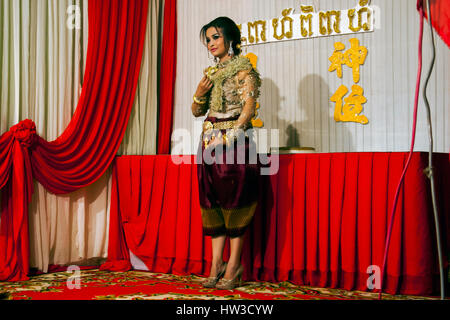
209	56
230	50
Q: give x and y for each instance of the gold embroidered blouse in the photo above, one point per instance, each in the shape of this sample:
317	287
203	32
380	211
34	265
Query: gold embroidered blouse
236	86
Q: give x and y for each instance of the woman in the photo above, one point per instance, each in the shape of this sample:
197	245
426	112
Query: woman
228	191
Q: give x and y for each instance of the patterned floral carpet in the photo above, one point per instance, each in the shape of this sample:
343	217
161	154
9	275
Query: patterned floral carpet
140	285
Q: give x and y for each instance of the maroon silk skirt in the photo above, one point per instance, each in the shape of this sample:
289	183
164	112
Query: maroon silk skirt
228	191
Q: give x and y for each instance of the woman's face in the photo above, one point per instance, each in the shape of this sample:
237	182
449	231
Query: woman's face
216	43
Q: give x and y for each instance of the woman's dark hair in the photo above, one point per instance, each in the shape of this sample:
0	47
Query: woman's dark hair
229	29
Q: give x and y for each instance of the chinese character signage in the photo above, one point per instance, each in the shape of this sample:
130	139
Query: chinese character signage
349	109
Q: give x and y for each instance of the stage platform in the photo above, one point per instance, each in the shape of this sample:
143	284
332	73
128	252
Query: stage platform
321	220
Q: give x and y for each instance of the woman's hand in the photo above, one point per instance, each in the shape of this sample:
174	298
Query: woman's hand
203	87
215	141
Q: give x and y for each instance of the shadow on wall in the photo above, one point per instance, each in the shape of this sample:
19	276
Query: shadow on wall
313	125
318	127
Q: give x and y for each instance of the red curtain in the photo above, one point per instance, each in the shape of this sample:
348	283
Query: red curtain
321	220
440	16
167	77
88	145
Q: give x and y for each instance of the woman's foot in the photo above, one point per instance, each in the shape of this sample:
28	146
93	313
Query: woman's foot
230	282
217	272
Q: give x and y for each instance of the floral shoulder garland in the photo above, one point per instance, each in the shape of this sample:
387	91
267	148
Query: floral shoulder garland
231	68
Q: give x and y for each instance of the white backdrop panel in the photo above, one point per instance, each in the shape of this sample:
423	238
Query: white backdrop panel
297	85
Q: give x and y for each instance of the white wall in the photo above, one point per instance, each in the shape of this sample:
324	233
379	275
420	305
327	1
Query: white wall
297	85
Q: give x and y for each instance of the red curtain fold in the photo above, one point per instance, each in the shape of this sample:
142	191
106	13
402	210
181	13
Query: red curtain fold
320	221
167	77
88	145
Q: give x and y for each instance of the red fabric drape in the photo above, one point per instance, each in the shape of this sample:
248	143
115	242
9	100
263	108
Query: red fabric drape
321	220
440	16
89	143
167	77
